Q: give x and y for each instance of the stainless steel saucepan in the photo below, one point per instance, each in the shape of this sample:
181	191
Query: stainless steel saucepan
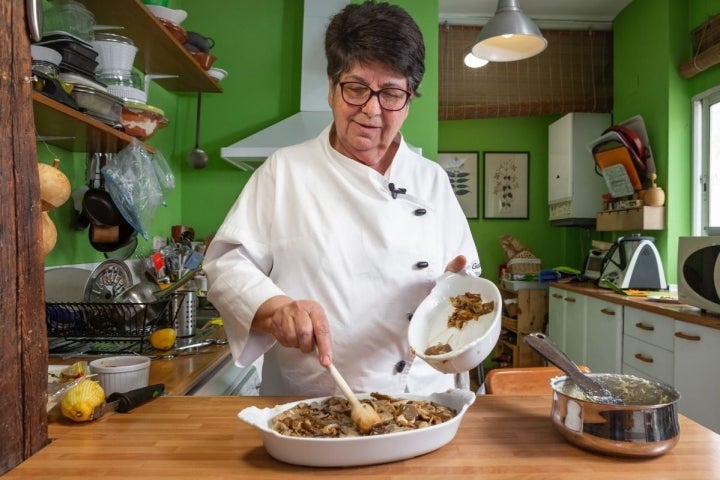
643	423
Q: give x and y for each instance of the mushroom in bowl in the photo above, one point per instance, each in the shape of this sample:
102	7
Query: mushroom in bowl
362	449
458	324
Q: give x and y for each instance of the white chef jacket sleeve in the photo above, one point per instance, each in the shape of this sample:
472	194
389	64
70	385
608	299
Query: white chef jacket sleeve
237	264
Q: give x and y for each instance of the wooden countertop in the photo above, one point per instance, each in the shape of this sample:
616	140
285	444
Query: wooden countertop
201	437
677	311
182	373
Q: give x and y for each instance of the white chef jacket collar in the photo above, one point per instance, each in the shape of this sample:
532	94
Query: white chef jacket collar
381	182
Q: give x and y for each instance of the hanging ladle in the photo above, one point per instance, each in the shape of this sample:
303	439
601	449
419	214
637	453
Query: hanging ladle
594	391
197	158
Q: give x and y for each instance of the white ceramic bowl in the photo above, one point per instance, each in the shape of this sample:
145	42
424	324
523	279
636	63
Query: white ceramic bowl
363	450
217	73
122	373
45	54
470	344
170	14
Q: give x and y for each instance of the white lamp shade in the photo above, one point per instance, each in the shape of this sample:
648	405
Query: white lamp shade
510	35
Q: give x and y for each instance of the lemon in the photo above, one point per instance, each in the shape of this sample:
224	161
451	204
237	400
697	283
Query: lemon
76	370
79	402
163	338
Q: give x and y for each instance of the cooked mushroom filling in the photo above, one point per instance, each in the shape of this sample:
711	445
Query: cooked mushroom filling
438	349
331	417
468	306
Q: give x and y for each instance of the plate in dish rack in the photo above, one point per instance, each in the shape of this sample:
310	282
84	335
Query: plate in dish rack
108	280
363	450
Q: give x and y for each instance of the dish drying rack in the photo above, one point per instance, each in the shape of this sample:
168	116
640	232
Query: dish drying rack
105	328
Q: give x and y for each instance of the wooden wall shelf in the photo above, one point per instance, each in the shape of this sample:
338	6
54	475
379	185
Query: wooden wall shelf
642	218
64	127
158	51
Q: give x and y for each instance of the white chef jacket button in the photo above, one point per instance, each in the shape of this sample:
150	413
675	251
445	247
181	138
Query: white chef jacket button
420	212
400	366
422	264
409	316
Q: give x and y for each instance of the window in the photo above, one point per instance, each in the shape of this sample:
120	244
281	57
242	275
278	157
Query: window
706	163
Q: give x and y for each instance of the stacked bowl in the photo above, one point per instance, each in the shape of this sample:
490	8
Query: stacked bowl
116	55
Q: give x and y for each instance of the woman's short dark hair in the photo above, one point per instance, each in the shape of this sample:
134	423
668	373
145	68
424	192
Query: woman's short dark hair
375	32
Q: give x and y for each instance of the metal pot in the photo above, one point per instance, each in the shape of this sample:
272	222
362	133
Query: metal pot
646	425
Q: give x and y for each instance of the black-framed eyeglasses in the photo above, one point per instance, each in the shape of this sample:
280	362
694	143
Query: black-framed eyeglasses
358	94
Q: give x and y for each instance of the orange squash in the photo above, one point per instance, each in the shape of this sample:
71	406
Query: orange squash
54	185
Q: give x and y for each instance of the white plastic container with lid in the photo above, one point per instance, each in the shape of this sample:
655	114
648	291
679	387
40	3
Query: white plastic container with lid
122	373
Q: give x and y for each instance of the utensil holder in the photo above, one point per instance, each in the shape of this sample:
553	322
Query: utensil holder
184	305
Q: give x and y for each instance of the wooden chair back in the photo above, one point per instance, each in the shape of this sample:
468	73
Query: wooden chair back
523	380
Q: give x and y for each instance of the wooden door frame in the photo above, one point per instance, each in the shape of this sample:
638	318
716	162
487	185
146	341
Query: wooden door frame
23	337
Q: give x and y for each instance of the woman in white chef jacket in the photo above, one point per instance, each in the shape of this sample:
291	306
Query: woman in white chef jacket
334	242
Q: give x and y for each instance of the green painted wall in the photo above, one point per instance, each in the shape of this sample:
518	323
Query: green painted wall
647	82
522	134
72	245
652	38
263	87
260	50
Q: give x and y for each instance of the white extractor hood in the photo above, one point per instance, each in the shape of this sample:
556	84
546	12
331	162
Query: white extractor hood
314	112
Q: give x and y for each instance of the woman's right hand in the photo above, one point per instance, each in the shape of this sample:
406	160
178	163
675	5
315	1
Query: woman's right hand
298	324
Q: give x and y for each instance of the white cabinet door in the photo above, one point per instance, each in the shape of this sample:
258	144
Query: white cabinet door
560	144
575	322
574	190
556	316
697	376
604	332
566	322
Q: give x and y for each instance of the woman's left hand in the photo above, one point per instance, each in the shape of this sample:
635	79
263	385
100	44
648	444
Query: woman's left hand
457	264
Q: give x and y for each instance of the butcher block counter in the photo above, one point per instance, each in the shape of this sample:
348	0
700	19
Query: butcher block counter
678	311
175	437
183	372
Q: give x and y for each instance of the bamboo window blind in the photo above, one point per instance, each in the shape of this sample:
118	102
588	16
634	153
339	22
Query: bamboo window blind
574	74
706	48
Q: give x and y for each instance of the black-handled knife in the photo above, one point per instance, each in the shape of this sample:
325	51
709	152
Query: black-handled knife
124	402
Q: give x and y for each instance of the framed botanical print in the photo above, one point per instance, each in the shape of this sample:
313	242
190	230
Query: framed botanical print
462	169
506	184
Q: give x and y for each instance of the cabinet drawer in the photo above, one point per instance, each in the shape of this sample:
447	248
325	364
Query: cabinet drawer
649	327
628	370
649	359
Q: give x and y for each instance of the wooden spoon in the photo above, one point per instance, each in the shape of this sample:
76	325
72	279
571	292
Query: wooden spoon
362	414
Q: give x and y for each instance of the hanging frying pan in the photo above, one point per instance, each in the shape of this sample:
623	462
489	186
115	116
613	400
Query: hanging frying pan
109	239
98	206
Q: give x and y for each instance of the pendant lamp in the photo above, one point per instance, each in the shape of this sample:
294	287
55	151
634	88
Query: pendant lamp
510	35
